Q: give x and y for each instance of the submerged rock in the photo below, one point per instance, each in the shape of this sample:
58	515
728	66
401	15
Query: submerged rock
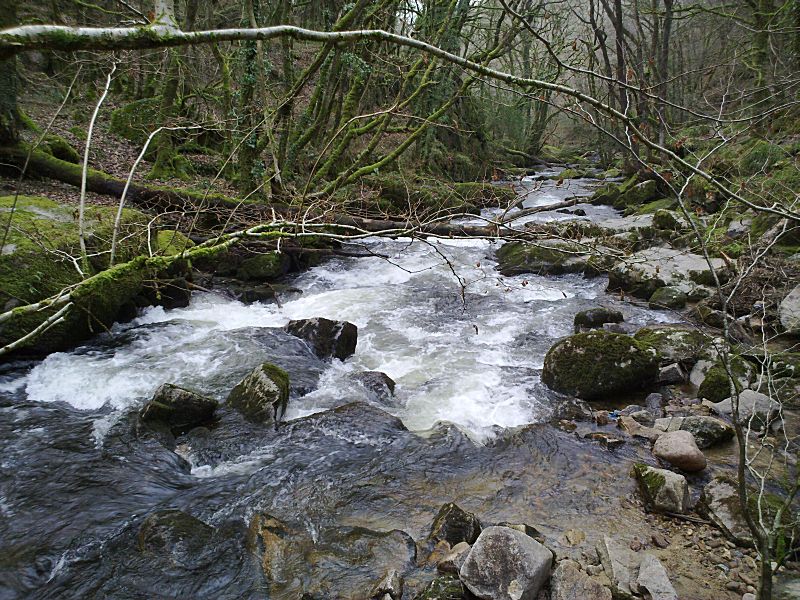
662	490
570	583
707	431
174	534
505	564
178	408
596	364
262	395
328	339
454	525
594	318
377	383
678	448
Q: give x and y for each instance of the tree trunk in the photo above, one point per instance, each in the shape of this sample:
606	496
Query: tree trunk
9	112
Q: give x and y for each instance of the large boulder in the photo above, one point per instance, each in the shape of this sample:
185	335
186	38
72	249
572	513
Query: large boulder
662	490
262	395
707	431
642	273
789	312
679	449
594	318
549	257
570	583
178	408
597	364
454	525
505	564
668	297
676	344
327	338
752	405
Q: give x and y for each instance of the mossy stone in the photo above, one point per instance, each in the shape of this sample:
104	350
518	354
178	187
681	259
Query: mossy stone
548	257
170	242
60	148
442	588
676	345
716	385
668	297
262	396
598	364
270	265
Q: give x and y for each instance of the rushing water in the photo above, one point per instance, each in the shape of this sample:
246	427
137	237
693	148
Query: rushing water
464	345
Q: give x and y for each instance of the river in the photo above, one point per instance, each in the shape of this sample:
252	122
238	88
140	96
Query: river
469	422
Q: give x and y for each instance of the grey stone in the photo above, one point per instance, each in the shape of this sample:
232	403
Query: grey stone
643	417
570	583
672	374
668	297
789	311
719	502
327	338
663	490
707	431
751	404
645	271
621	567
505	564
679	449
178	408
390	585
653	578
594	318
453	560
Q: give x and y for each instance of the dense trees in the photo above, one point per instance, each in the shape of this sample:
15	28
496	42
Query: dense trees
311	102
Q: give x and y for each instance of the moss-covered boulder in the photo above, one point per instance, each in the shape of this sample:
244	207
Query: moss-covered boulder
60	148
637	195
716	386
549	257
263	267
598	364
662	490
178	409
676	344
262	396
669	220
41	257
668	297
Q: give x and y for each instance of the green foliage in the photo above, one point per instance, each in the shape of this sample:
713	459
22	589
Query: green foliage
135	121
762	156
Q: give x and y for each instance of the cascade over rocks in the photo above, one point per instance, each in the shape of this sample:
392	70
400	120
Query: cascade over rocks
327	338
597	364
505	564
262	395
178	408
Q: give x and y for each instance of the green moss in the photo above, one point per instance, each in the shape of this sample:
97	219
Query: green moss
26	122
136	120
263	266
656	205
78	131
668	297
442	588
172	242
548	257
60	148
596	364
675	345
762	156
716	385
650	481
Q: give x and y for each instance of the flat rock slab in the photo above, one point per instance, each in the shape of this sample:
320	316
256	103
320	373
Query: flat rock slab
654	579
506	564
